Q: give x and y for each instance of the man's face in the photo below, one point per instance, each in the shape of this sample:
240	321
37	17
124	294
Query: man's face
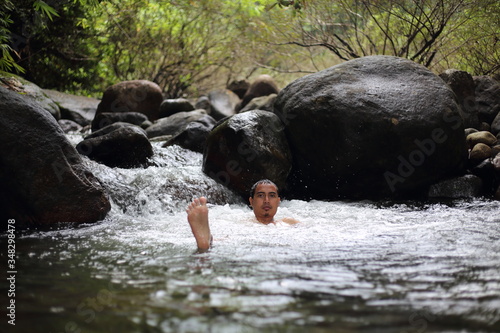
265	202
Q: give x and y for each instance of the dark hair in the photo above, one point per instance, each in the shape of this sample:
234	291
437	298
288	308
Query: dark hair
262	181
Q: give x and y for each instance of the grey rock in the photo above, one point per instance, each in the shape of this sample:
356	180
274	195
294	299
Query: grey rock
174	124
123	146
44	180
467	186
245	148
373	127
79	109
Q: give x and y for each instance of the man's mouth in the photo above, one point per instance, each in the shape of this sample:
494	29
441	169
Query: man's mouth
266	207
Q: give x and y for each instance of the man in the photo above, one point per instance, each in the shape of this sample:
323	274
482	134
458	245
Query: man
264	200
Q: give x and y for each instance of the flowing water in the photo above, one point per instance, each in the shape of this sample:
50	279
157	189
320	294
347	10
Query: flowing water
347	267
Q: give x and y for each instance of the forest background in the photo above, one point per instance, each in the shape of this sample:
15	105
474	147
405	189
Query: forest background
191	47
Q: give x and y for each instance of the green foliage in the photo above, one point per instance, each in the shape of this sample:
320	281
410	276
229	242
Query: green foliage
476	45
433	33
52	46
192	46
7	62
41	7
176	44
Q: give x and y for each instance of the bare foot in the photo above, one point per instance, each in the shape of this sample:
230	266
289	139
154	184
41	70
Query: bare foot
197	214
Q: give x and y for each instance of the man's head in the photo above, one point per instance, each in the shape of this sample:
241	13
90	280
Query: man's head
264	199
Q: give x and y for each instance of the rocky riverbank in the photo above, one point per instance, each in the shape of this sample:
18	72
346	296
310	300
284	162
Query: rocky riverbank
372	128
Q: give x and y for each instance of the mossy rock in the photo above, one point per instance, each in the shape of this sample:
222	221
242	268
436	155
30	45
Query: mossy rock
30	90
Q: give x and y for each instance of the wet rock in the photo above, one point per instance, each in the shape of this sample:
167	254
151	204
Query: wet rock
79	109
132	96
463	86
374	127
69	126
161	138
264	85
496	163
495	125
174	124
484	126
203	103
481	137
495	150
170	106
30	91
104	119
467	186
487	98
44	181
245	148
111	128
265	103
194	135
486	171
222	103
120	145
239	87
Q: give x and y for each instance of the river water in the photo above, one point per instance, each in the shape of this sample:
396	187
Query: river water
347	267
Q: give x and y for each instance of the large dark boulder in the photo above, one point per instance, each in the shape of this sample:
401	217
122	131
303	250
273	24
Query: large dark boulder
43	178
378	126
132	96
245	148
120	145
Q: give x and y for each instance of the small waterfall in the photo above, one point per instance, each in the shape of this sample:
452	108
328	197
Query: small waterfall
174	178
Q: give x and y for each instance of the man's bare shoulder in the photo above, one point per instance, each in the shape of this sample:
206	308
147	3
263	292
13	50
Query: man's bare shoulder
289	220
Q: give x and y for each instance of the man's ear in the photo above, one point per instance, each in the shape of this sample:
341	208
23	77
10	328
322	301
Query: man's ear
250	199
